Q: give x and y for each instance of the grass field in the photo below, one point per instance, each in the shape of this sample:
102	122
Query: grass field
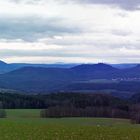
26	125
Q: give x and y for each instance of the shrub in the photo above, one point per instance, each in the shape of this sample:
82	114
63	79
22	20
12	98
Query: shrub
135	114
3	113
56	112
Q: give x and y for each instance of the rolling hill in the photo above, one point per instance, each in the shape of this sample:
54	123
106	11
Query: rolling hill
81	77
5	68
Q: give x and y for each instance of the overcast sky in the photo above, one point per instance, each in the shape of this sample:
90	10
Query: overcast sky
70	31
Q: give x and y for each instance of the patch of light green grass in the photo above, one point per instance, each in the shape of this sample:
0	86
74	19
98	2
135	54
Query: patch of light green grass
26	125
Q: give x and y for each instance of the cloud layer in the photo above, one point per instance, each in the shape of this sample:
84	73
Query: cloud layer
125	4
49	31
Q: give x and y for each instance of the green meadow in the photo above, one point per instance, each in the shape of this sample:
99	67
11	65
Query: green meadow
26	124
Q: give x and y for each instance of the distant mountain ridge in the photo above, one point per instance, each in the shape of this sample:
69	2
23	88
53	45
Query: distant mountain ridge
42	80
5	68
94	67
2	63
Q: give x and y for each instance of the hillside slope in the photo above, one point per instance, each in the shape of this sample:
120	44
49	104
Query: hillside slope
38	79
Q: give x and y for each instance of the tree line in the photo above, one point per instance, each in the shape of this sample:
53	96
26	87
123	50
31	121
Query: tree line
78	100
74	105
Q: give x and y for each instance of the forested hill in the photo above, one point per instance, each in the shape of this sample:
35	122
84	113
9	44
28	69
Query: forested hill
43	80
5	67
78	100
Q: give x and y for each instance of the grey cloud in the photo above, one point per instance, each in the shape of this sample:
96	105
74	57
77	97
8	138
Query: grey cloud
41	53
31	29
125	4
73	52
121	32
25	1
